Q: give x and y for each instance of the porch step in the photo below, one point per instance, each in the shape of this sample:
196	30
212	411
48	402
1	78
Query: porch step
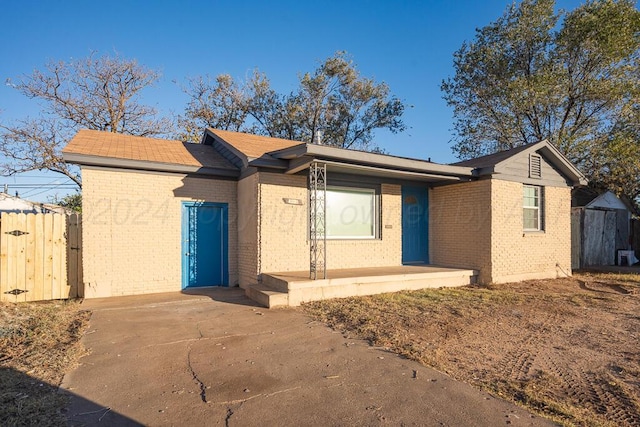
275	283
267	296
306	292
295	288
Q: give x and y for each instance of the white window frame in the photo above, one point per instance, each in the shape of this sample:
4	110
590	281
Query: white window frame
375	212
539	194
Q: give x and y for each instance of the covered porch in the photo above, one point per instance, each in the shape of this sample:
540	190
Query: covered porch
368	226
281	289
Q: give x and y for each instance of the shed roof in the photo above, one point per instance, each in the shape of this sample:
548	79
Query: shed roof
598	198
92	147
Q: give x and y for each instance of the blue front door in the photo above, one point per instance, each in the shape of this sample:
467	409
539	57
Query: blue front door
415	225
204	244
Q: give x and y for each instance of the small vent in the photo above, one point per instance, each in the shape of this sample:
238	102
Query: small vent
535	168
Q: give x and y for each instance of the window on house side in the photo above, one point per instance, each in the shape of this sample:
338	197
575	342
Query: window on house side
351	213
532	208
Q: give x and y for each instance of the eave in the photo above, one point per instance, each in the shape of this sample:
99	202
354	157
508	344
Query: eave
111	162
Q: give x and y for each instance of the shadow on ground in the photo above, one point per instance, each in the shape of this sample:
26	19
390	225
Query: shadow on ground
26	400
229	295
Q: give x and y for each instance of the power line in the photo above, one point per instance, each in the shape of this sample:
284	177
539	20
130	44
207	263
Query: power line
45	190
39	185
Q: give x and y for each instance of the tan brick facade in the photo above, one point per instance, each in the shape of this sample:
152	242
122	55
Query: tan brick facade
479	225
248	203
132	219
132	229
284	230
518	255
459	226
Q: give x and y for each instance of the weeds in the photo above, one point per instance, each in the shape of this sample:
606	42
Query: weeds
543	344
39	342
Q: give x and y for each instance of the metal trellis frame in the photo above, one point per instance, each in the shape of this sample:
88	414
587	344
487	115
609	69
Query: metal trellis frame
317	220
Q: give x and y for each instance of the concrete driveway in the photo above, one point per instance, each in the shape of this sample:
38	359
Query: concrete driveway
217	359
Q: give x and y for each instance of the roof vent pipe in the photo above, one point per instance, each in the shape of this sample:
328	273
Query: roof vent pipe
318	137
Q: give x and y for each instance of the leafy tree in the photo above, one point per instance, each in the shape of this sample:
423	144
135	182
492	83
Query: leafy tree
70	201
99	93
618	166
569	77
333	103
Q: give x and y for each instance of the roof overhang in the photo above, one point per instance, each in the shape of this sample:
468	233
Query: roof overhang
300	157
373	171
111	162
563	164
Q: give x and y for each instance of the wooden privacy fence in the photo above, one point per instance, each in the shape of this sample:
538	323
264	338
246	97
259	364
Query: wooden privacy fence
40	257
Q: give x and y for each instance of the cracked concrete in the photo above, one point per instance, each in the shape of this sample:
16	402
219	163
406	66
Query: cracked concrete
249	366
201	385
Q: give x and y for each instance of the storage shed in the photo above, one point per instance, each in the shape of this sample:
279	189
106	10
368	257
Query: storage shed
600	228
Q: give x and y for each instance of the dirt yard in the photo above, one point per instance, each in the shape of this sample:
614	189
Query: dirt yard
568	349
39	343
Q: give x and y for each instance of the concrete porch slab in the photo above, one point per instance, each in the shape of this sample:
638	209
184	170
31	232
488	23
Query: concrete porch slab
354	282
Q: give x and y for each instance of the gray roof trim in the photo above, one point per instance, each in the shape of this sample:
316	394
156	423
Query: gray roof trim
321	152
268	162
111	162
394	173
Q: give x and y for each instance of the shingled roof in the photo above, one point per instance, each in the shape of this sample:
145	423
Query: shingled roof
118	150
253	146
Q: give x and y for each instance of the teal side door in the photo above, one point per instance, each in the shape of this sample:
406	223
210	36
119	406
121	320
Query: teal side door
415	225
205	242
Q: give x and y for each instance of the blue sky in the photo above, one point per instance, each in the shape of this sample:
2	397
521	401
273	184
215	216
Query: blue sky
407	44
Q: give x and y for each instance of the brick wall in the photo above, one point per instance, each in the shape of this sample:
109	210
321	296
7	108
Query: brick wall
518	255
479	225
132	229
283	241
284	234
460	226
248	230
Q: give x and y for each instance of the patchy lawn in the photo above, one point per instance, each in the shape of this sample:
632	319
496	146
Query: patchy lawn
568	349
39	343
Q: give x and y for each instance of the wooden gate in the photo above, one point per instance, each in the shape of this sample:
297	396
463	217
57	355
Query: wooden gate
593	237
40	257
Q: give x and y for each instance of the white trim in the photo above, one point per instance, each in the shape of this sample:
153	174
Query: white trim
538	196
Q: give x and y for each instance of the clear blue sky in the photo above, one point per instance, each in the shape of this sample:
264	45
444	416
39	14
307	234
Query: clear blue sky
407	44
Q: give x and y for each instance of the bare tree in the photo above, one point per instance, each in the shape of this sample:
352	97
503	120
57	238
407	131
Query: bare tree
100	93
218	104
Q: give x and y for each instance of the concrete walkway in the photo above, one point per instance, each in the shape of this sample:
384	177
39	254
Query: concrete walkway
217	359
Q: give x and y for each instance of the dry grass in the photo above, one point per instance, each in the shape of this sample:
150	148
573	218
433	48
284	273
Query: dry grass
39	343
566	349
